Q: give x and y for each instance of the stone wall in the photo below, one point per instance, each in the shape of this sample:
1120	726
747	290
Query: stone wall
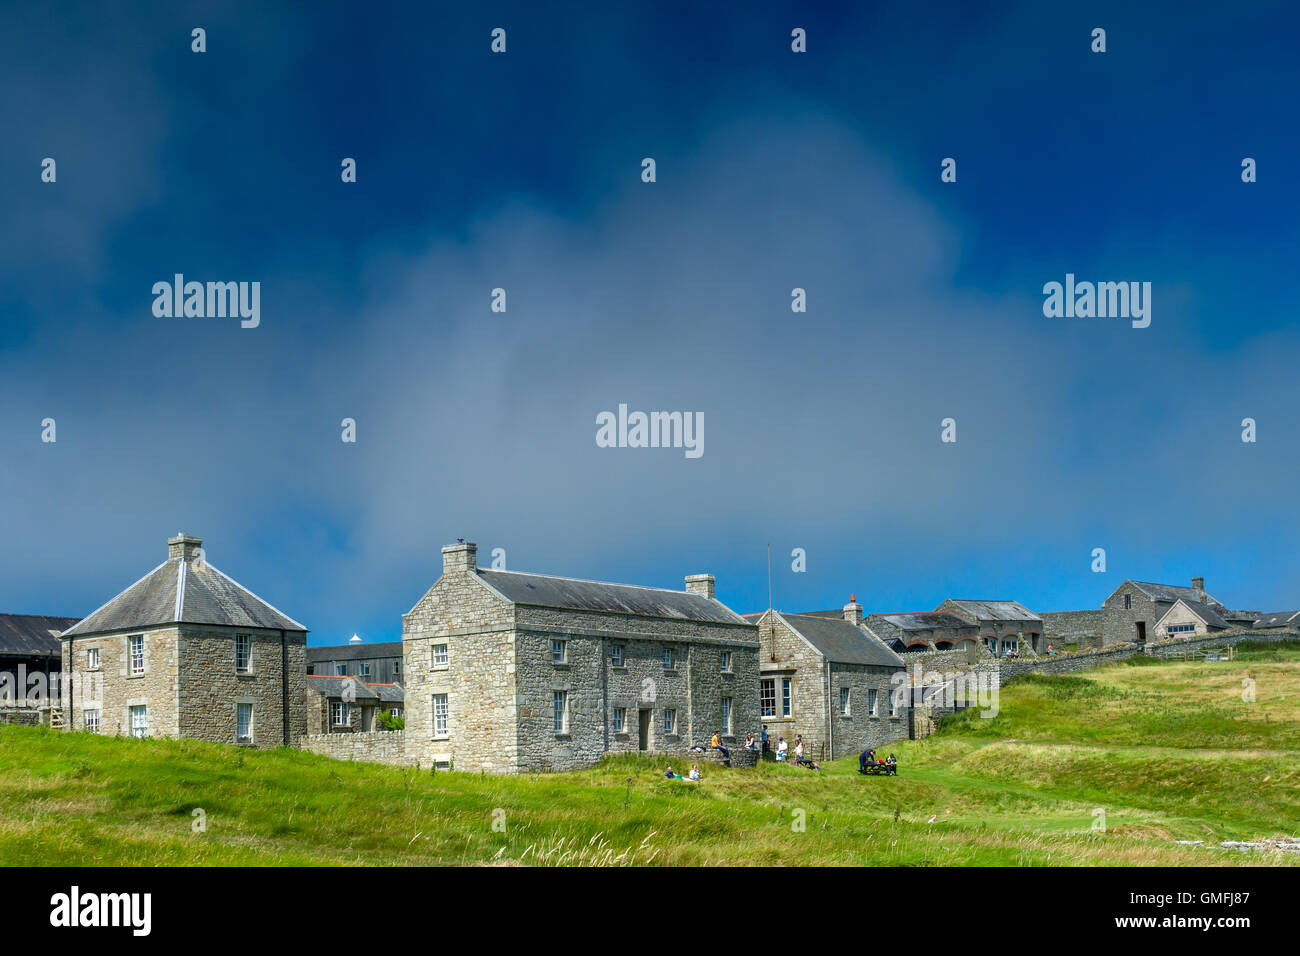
112	691
380	746
210	688
1085	628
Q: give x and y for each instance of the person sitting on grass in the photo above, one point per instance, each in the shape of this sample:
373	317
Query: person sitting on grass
672	776
749	740
695	773
782	749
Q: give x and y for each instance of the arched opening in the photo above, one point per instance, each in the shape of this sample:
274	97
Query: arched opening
915	647
943	645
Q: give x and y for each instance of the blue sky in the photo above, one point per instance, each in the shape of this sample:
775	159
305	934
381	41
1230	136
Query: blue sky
775	170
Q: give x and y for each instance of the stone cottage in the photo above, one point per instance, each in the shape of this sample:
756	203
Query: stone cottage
187	652
509	672
347	705
1135	607
1003	625
377	663
825	677
913	631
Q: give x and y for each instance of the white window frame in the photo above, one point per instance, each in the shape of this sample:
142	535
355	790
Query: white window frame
340	669
787	697
397	670
240	711
620	720
441	715
134	643
726	662
92	659
669	720
616	655
246	640
560	711
394	712
364	668
670	660
873	701
91	720
767	702
559	651
440	659
726	716
139	720
339	713
845	702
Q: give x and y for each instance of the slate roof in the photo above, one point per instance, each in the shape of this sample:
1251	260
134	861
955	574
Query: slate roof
923	620
1170	593
997	610
190	592
333	687
353	652
543	590
1280	619
842	641
1206	613
32	635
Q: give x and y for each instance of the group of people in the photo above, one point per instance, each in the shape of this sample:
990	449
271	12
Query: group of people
693	777
868	758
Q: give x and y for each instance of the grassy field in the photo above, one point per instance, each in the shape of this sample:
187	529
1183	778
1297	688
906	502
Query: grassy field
1168	751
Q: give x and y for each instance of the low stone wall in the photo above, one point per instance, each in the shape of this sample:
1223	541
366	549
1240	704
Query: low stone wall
22	716
740	757
1084	628
378	746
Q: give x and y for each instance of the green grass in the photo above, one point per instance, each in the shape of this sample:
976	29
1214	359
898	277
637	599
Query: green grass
1169	751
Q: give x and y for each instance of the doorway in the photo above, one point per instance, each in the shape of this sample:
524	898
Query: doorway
1141	632
643	729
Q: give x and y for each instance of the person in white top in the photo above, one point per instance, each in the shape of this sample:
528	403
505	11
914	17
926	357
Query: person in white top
782	748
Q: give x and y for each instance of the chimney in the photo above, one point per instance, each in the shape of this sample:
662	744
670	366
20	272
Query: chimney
701	584
184	546
853	610
1199	585
461	556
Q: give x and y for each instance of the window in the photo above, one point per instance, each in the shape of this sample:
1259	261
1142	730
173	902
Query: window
785	696
767	697
440	655
440	711
139	721
844	701
92	661
338	713
397	670
92	721
871	701
365	668
243	653
726	715
243	723
670	720
726	662
442	765
616	655
395	712
561	702
1128	602
893	703
1181	628
668	658
340	670
558	651
620	719
135	644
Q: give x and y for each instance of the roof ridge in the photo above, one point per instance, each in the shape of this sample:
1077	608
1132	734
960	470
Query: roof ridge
560	577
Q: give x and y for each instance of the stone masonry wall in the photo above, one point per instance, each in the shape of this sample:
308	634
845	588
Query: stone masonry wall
210	688
112	691
380	746
862	728
1085	628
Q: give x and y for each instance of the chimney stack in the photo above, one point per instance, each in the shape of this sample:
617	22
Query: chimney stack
461	556
853	610
184	546
1199	585
701	584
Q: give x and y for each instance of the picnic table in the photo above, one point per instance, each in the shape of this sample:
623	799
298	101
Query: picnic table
880	769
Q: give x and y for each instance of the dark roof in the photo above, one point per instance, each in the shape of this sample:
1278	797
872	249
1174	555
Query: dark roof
206	596
334	686
1170	593
842	641
1239	617
923	620
32	635
542	590
996	610
354	652
1206	613
1280	619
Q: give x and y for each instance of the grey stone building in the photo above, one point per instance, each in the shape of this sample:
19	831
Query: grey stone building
1002	625
1289	620
373	663
187	652
509	672
1134	608
348	705
1190	618
825	677
912	631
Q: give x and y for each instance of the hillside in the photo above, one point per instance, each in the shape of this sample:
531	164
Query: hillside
1168	750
